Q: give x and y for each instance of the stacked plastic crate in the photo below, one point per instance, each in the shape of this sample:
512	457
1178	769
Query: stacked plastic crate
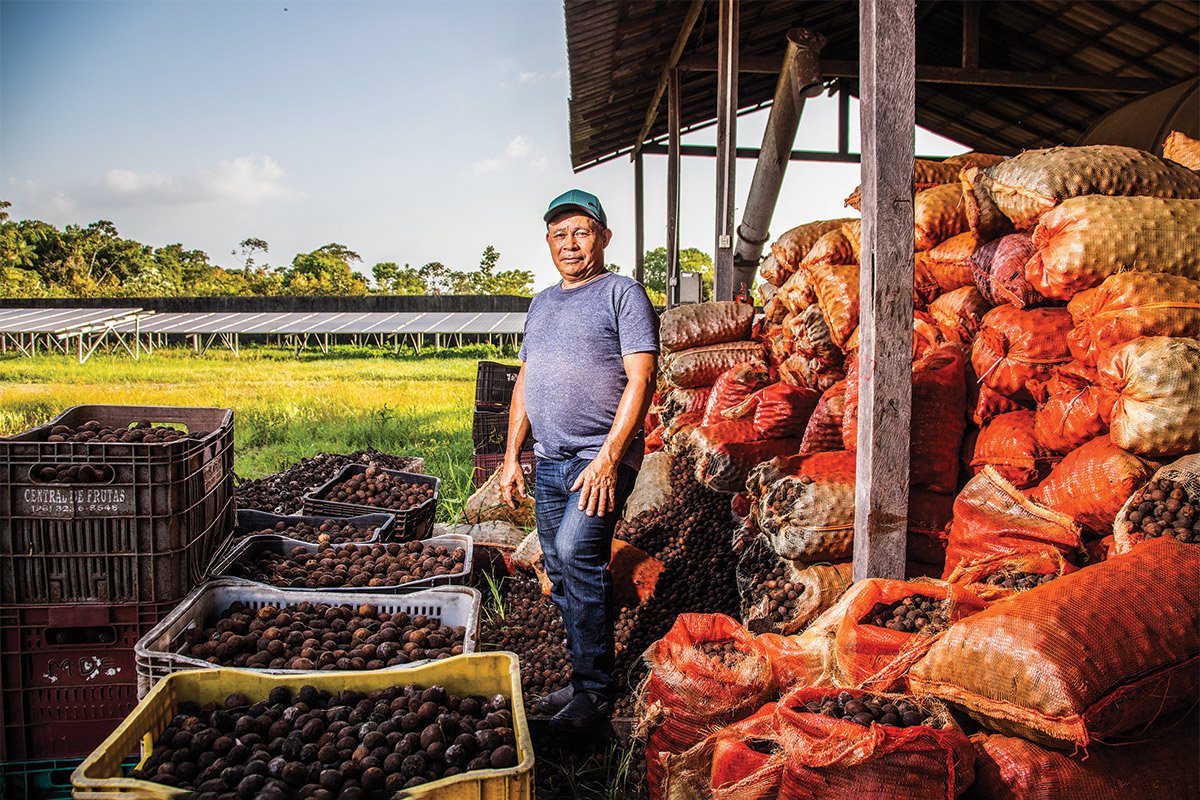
493	395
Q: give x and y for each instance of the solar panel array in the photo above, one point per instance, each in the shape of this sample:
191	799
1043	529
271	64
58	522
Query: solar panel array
63	321
348	323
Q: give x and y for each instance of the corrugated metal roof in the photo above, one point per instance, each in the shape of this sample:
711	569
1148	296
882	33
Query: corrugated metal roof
616	50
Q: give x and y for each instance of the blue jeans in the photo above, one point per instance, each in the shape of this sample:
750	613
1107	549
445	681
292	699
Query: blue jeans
577	549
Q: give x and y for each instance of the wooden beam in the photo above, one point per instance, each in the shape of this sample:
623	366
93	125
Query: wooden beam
639	220
970	34
673	165
887	51
724	279
681	40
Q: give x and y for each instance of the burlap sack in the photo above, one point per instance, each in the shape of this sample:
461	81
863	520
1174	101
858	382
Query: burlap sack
701	324
487	505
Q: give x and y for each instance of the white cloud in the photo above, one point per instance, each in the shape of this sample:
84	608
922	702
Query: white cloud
518	147
527	77
487	165
246	179
520	150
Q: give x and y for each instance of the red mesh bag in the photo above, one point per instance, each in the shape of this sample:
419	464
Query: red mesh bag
829	758
1086	656
654	440
1098	550
734	386
981	577
1073	408
1132	304
824	429
993	517
813	339
1008	768
726	452
999	269
809	373
1092	482
959	314
938	417
925	283
1008	444
951	263
689	692
986	403
778	411
1016	348
747	759
683	401
874	657
928	515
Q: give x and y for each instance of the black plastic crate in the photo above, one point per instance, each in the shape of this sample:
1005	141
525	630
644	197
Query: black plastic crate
68	675
494	385
489	432
146	532
411	523
486	464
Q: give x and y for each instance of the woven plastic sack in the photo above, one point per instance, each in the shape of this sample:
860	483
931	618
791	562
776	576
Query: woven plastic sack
938	417
951	261
1072	408
774	311
689	693
836	287
734	386
725	453
986	403
1086	656
926	174
878	658
974	577
1185	471
701	324
652	488
1009	768
959	314
794	245
1157	382
1092	482
701	366
1182	149
833	247
1086	239
993	517
1007	443
1025	187
807	508
778	411
741	770
999	270
828	758
811	373
487	503
938	215
973	159
781	596
925	283
1016	347
824	430
1129	305
797	294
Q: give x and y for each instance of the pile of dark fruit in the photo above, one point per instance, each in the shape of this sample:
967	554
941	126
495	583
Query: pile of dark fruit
319	636
282	493
328	532
532	627
726	653
769	597
349	745
868	709
1167	510
1018	581
365	565
141	432
380	489
73	473
913	614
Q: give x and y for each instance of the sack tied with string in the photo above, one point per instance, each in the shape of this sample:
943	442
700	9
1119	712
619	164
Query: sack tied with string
1129	305
1018	347
1091	483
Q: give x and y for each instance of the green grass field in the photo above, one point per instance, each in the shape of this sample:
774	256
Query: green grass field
286	407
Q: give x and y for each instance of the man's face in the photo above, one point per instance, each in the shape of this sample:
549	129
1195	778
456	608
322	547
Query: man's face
577	245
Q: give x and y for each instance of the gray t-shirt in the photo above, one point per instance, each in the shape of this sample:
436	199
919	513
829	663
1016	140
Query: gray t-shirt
575	340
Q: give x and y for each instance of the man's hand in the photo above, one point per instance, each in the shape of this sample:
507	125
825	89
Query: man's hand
597	487
512	483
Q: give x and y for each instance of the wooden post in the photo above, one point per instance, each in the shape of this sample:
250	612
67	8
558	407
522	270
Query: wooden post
673	164
727	104
970	34
639	220
888	58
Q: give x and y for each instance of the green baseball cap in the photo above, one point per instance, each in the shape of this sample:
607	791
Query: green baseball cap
577	200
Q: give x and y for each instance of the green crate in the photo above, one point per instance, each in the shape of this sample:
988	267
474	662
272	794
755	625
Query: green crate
42	780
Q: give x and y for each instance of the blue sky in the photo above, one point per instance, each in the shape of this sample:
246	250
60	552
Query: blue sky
407	131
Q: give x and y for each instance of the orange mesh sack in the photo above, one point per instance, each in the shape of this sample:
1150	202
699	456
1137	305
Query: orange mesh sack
959	313
1073	408
1182	149
747	759
853	233
870	655
999	270
926	336
1008	768
973	159
951	261
1025	187
1009	445
1129	305
925	283
834	247
824	430
1086	239
791	248
797	294
1092	482
938	215
816	342
1086	656
1157	382
811	373
705	673
778	411
986	403
836	286
1129	530
926	175
1016	347
830	758
735	385
702	324
993	517
774	311
807	509
997	577
701	366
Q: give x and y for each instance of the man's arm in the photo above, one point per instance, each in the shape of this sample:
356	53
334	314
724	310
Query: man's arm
512	479
597	484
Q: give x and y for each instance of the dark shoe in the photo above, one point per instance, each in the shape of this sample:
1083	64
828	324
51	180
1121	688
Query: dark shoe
554	702
586	712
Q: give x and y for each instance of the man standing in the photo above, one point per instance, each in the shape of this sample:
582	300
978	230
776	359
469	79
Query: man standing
586	379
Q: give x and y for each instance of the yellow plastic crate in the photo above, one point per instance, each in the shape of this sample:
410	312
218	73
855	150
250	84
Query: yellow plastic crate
99	776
